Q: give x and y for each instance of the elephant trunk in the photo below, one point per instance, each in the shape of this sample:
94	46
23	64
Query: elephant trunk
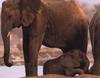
6	42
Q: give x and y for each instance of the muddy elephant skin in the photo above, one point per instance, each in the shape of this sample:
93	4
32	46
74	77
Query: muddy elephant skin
54	23
69	64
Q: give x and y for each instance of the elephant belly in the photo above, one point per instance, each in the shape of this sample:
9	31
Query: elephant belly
60	38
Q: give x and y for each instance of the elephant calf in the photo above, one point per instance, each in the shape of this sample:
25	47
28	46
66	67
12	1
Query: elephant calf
69	64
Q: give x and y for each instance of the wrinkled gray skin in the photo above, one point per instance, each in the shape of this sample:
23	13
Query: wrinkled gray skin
54	23
71	63
95	39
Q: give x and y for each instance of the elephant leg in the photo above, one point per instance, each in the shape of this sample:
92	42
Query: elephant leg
96	52
31	46
95	40
80	42
73	72
83	37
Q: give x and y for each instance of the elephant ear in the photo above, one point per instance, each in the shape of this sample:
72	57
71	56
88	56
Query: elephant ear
11	13
27	18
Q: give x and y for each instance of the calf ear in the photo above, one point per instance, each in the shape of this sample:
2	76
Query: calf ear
27	18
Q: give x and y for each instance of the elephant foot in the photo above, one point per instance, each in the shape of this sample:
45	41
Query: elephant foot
95	70
31	71
30	75
8	63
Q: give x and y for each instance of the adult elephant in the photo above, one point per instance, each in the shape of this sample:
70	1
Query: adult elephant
95	39
55	23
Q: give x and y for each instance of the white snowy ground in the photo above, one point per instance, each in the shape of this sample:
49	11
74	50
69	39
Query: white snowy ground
16	71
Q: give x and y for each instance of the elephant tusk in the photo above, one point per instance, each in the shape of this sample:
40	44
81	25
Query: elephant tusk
8	34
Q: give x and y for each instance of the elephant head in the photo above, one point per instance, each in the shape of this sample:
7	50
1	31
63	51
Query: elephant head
12	17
